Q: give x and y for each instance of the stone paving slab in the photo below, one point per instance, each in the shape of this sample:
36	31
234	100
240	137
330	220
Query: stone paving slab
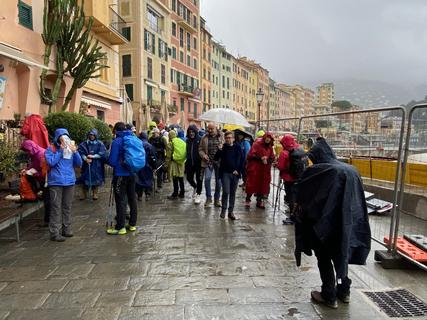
183	263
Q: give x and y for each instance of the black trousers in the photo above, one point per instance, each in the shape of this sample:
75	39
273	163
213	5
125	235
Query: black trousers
330	288
192	171
124	193
178	181
289	196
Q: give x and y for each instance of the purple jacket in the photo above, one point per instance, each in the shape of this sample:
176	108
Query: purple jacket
36	154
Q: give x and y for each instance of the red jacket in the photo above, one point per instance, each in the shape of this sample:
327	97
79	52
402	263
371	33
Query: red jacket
35	129
284	163
259	174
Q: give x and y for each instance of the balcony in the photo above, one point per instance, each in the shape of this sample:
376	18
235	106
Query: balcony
186	90
187	25
107	23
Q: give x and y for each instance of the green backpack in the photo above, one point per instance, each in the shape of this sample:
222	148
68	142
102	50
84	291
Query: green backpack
179	150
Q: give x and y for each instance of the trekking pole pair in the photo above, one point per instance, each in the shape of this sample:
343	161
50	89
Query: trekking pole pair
109	222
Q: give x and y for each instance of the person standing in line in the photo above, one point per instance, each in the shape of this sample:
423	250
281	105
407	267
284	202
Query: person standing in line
94	155
193	165
230	170
144	183
258	170
176	155
245	145
332	220
159	143
61	157
209	145
123	183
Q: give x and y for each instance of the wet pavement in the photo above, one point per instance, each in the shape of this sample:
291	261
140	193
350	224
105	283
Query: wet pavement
184	262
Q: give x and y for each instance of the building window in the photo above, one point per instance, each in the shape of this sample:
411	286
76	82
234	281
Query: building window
163	50
174	5
188	41
181	56
126	65
195	63
223	81
195	43
25	14
189	106
172	76
100	115
188	60
126	33
149	94
174	29
195	110
163	74
173	52
149	42
181	37
153	19
149	68
129	91
162	96
182	104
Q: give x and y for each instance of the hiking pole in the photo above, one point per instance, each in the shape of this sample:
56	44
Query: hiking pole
279	187
109	222
90	183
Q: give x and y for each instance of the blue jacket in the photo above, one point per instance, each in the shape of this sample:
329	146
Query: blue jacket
117	155
61	172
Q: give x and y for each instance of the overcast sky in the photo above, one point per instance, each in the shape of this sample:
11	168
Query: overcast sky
308	41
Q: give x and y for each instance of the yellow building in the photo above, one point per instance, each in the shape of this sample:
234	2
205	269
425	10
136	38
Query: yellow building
206	65
241	88
252	83
145	61
325	94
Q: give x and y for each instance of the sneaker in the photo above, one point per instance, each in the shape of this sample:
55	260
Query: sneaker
57	238
130	228
231	216
217	204
345	298
115	232
316	296
247	204
197	199
208	202
222	215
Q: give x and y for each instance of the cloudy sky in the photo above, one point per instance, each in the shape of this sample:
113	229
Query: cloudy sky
308	41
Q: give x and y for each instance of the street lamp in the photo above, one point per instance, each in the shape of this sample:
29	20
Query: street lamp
259	98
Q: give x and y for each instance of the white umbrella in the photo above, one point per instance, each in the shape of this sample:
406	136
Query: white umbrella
225	116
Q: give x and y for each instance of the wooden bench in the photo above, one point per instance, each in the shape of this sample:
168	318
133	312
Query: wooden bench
15	214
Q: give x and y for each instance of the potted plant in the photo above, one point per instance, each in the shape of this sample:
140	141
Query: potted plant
8	164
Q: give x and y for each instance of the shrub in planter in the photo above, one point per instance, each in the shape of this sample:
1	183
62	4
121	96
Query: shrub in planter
104	131
8	163
77	124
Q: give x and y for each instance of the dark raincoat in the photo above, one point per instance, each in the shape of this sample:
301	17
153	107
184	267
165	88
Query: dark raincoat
259	174
98	150
193	156
145	175
34	129
332	209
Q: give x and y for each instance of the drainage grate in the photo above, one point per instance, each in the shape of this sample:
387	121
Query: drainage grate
398	303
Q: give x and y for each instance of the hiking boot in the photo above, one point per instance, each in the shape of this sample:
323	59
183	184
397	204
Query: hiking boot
316	296
231	216
345	298
115	232
247	204
83	195
217	204
130	228
222	215
260	204
208	202
57	238
197	199
67	233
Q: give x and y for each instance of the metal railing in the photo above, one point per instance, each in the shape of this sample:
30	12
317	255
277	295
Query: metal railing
117	22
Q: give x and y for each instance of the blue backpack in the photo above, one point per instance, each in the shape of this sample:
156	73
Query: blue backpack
134	153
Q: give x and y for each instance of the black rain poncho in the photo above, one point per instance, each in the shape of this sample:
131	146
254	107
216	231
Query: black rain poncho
333	210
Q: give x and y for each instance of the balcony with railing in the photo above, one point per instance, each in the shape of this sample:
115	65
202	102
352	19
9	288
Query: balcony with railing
117	23
187	24
186	90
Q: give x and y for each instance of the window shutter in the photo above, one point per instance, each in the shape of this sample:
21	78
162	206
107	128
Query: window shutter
25	15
